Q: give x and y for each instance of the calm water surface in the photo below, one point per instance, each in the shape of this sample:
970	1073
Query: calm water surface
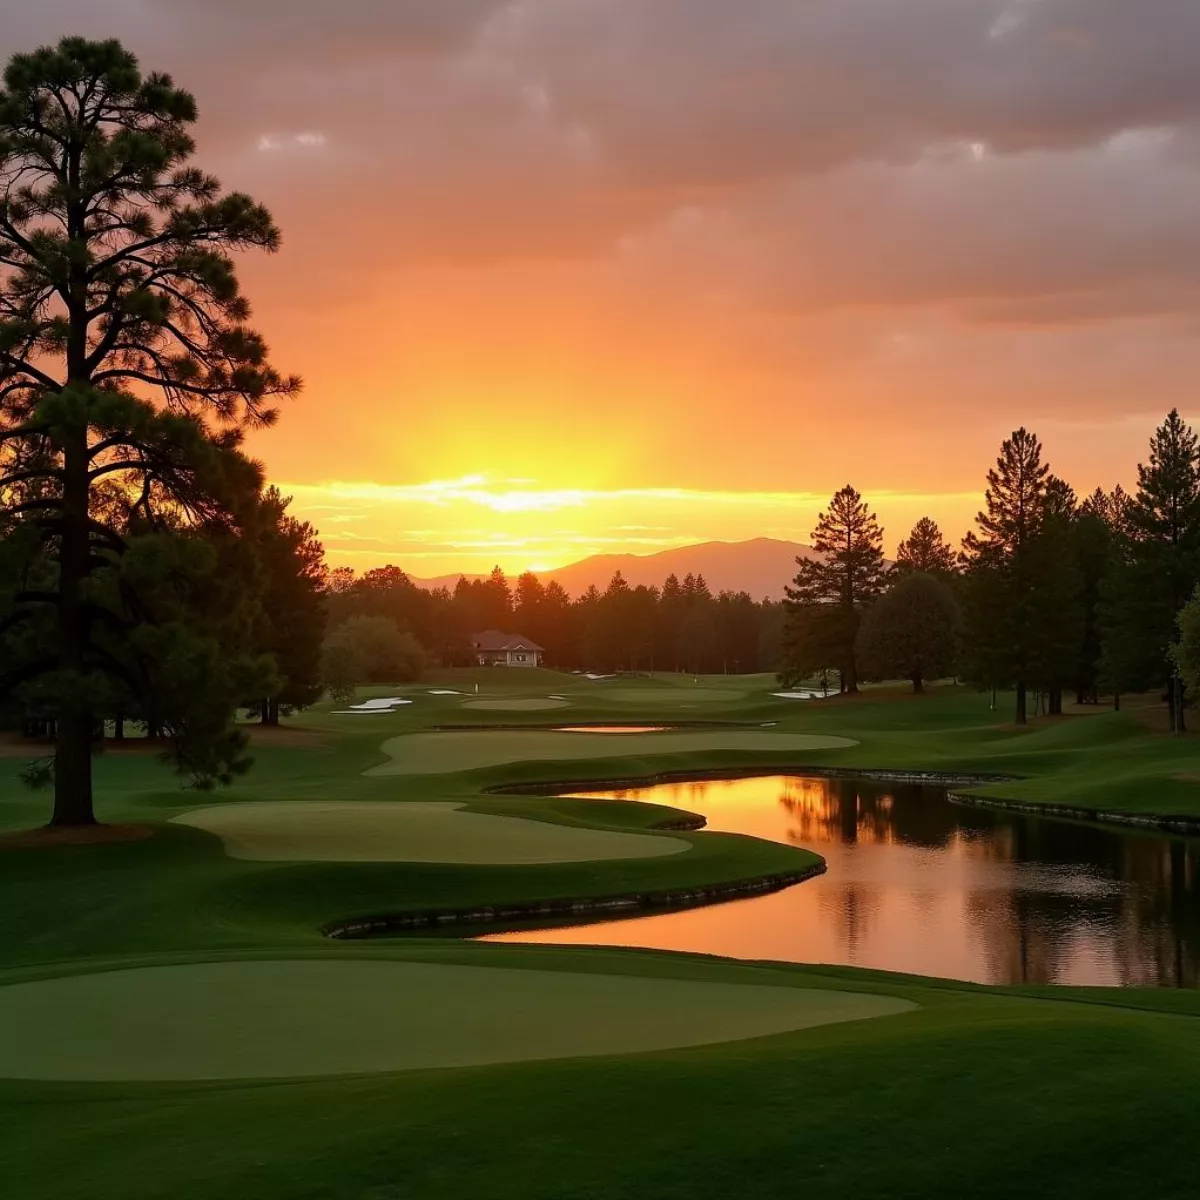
919	884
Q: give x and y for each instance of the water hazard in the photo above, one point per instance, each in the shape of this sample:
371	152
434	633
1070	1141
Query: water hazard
919	884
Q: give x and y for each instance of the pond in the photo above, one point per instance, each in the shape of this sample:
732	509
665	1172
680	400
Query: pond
917	883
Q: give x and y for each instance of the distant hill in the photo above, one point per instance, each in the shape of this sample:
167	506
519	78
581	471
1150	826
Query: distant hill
761	567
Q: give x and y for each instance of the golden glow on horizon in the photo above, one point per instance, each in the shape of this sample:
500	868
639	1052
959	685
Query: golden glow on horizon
474	522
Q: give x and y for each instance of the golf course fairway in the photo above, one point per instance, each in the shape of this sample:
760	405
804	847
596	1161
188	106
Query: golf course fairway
410	832
441	753
276	1019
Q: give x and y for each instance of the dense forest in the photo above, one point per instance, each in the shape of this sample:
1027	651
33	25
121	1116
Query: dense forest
1049	595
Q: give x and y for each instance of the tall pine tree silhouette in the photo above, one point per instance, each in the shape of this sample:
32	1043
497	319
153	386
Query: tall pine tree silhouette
1001	597
125	356
826	599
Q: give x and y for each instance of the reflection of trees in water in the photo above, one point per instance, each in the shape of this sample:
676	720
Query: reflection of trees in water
1040	895
851	911
1125	898
1159	931
1145	924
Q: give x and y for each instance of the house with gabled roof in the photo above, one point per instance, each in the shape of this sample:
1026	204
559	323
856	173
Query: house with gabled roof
495	649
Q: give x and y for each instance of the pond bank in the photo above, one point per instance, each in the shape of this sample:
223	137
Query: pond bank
665	900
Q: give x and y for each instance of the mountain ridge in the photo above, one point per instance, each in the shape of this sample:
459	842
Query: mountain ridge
761	566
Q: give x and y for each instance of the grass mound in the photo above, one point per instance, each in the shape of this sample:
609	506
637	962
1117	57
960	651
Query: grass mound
440	753
411	832
516	704
287	1019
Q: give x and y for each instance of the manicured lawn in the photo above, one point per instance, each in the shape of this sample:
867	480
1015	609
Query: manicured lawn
346	831
440	753
975	1091
283	1018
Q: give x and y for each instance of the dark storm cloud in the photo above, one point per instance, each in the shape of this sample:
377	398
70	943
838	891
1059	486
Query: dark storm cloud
990	155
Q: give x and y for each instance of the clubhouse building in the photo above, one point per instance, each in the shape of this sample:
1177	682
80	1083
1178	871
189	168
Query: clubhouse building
495	649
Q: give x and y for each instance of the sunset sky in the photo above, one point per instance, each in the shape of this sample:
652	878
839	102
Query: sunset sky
568	276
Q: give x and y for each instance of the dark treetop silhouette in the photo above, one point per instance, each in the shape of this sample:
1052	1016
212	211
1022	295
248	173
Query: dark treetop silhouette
127	371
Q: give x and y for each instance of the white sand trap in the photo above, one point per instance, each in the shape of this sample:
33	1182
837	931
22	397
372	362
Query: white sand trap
369	705
797	695
438	753
411	832
289	1019
445	692
530	704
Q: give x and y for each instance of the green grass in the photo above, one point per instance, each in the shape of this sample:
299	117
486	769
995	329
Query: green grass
283	1018
980	1092
976	1092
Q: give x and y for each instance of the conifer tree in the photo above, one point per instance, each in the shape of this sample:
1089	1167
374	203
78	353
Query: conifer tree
125	356
827	597
1002	597
293	578
925	551
1163	526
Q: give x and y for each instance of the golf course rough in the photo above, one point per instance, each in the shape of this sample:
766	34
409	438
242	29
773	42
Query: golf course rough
411	831
288	1019
441	753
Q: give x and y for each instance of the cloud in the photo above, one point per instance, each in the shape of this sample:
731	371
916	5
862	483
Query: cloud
747	246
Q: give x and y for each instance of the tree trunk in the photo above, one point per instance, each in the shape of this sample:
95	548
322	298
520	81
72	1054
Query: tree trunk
1116	702
918	684
73	744
1056	701
1022	710
271	711
119	728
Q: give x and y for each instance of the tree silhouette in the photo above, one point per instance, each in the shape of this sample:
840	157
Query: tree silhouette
826	599
911	631
1002	596
926	551
125	357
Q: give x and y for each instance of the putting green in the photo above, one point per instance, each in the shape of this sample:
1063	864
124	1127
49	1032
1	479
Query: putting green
531	704
411	832
257	1020
439	753
681	695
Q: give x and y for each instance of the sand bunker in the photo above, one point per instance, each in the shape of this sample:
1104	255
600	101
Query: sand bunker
530	704
438	753
374	706
247	1020
797	695
411	832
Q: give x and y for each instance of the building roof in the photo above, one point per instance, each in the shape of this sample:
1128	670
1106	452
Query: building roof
493	641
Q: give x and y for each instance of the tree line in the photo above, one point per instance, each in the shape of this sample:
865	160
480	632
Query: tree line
1048	595
680	626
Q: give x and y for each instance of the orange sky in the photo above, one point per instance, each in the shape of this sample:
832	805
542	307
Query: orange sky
565	276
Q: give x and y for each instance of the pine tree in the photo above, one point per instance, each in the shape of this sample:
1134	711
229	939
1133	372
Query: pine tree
1059	629
1002	612
926	551
293	602
1163	524
828	595
116	285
